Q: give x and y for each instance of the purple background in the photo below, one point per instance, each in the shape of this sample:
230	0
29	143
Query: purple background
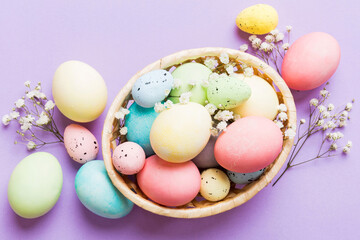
319	200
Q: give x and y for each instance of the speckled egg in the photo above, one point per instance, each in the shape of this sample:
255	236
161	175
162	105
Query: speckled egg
257	19
318	54
180	133
206	158
80	143
263	100
97	193
248	144
79	91
129	158
191	73
215	185
244	178
35	185
169	184
227	92
138	123
152	87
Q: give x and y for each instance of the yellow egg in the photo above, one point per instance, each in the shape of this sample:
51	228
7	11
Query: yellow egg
79	91
257	19
215	184
263	100
180	133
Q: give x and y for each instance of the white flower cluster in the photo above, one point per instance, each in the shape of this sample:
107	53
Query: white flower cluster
120	115
185	97
211	63
159	107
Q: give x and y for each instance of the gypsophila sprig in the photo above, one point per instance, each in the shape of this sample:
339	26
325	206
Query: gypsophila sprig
34	113
322	120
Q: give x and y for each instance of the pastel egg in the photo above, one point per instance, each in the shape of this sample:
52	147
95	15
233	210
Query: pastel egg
215	185
129	158
318	54
191	73
244	178
206	158
79	91
152	87
263	100
170	184
97	193
248	144
35	185
138	123
257	19
227	92
80	143
180	133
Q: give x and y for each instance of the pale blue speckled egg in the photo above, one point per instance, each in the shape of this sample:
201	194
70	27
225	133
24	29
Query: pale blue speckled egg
152	87
138	123
96	192
244	178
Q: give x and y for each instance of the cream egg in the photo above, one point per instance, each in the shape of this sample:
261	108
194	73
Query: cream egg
215	185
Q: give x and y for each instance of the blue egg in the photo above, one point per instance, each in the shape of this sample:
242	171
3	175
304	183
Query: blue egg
244	178
138	123
152	87
96	192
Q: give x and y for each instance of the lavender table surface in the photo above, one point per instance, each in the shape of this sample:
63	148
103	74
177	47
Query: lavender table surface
320	200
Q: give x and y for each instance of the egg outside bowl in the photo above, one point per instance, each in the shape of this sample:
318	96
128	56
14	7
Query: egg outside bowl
198	207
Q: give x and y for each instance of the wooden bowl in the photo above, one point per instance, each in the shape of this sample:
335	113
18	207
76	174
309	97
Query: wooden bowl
197	208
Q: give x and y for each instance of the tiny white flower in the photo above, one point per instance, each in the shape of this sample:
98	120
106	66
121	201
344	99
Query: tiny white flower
282	108
124	110
159	107
346	150
323	92
270	38
6	119
211	62
325	114
192	82
302	121
321	108
290	133
282	116
288	28
49	105
221	126
31	145
27	84
344	114
285	46
224	58
230	69
119	115
252	38
185	97
211	108
279	124
14	115
43	119
167	92
256	43
26	126
265	47
314	102
123	131
244	47
333	147
168	104
275	32
20	103
214	132
248	72
30	94
349	144
339	135
348	107
213	76
330	124
225	115
342	123
320	122
177	83
279	37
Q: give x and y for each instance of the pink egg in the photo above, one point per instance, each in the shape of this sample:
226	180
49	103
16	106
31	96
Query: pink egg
170	184
129	158
248	144
310	61
80	143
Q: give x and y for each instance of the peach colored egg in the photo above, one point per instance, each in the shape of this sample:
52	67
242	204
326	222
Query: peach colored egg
310	61
170	184
129	158
248	144
80	143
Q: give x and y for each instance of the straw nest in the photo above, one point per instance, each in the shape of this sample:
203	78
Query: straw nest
198	207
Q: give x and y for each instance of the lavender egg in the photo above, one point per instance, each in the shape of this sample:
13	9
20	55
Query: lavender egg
206	158
244	178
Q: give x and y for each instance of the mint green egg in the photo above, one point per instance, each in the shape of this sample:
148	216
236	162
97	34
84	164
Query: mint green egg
35	185
187	73
227	92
